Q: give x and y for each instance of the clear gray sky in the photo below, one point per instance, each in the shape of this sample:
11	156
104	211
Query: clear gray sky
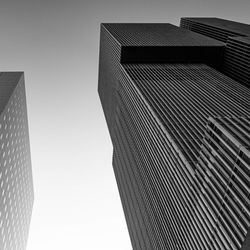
56	43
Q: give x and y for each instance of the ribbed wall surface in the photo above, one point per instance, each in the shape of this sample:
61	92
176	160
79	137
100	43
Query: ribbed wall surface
171	152
237	59
236	63
109	63
136	42
131	160
156	34
224	168
216	28
180	163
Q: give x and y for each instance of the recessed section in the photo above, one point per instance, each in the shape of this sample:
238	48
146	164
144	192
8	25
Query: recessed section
210	55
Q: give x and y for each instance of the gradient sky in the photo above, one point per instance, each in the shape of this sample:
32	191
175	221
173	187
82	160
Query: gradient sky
56	44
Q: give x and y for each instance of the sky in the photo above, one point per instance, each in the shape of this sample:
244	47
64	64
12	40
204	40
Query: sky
56	44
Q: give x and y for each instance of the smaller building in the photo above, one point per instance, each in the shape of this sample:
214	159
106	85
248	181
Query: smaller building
16	185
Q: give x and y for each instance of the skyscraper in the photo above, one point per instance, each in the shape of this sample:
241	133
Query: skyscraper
16	186
181	137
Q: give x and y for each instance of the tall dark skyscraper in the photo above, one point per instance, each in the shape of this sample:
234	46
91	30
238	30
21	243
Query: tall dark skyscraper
16	186
180	130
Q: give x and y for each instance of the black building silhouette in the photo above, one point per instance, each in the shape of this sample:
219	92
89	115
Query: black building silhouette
181	135
16	186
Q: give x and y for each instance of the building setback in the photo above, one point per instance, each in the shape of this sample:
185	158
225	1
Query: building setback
181	137
236	37
16	186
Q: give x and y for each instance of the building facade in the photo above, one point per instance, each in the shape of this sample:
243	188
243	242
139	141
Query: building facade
236	36
16	186
180	130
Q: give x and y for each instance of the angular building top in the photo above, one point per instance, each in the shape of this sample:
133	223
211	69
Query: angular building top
237	44
8	82
160	42
232	27
156	34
